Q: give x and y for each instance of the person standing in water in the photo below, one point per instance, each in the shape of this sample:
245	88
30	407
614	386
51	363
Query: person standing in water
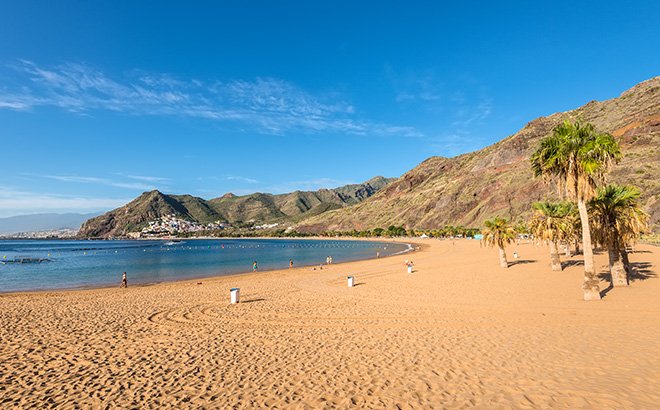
124	281
290	263
254	266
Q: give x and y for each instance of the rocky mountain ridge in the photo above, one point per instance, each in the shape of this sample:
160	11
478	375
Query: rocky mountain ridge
498	180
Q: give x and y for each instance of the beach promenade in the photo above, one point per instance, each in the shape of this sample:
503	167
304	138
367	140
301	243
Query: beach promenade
458	332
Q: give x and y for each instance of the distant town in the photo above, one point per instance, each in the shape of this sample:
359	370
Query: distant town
48	234
170	225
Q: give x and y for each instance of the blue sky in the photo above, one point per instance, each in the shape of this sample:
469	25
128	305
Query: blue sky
100	101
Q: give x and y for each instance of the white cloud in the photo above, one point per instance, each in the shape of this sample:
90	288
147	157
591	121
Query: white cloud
467	114
101	181
14	105
147	178
14	202
267	105
416	86
242	179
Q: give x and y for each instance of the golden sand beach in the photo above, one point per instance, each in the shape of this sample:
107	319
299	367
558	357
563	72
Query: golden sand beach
458	332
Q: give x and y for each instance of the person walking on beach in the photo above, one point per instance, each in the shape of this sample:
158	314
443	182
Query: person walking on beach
254	266
124	281
290	263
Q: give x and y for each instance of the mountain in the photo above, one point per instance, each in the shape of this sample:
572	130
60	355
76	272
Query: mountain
148	207
294	206
258	208
42	222
497	180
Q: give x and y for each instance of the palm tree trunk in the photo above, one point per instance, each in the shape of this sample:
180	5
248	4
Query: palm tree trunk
568	249
577	246
625	260
555	262
503	261
617	271
590	284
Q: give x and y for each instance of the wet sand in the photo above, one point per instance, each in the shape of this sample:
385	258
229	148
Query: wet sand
458	332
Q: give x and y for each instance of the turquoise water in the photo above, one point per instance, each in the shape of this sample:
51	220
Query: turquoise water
79	264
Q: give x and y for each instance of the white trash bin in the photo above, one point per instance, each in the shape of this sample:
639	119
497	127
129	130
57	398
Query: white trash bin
410	269
235	295
351	281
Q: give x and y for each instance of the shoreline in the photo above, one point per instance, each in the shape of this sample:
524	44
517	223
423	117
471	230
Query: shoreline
407	241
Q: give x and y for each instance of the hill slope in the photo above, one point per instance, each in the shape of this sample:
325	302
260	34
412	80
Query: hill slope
258	208
498	180
42	222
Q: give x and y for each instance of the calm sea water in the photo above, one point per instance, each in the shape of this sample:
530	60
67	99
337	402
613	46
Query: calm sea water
77	264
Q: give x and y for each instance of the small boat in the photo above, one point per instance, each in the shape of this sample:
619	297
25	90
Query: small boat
172	243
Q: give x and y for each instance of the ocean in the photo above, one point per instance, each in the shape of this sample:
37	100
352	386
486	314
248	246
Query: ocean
40	265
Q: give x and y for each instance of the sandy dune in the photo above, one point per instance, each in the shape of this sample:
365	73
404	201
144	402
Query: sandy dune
458	332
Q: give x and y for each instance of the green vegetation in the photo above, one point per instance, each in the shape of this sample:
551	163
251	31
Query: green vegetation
245	233
650	238
399	231
499	232
554	222
576	157
617	220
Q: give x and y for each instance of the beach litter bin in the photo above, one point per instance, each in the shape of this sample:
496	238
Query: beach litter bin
351	281
410	268
235	295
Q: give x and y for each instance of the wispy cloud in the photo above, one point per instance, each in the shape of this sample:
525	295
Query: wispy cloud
235	178
14	202
461	106
416	87
101	181
453	142
146	178
469	113
268	105
242	179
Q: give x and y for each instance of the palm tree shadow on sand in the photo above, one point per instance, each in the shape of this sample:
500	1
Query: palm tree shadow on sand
605	291
567	264
522	262
640	271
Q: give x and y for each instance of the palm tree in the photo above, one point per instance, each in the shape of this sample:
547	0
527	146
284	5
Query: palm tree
551	222
577	157
572	229
498	232
617	219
